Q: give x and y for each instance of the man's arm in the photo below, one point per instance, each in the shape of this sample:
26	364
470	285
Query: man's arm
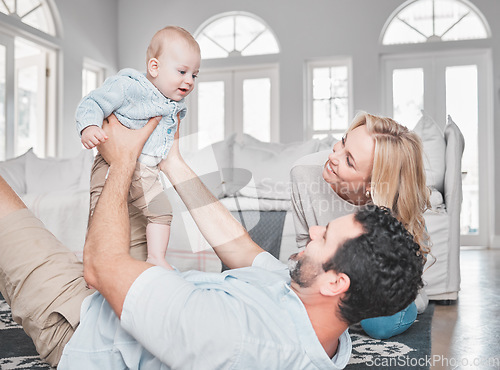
107	263
227	236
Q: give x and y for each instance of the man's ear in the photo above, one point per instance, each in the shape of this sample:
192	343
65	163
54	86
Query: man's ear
153	67
335	284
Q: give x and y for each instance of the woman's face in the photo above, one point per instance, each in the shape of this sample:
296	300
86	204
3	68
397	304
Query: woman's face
349	166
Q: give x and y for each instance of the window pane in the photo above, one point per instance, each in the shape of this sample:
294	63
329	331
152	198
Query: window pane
210	112
339	82
434	20
209	49
330	98
257	108
419	16
25	6
321	83
247	30
10	4
89	81
264	44
462	106
2	104
38	20
471	27
222	31
400	33
26	49
34	13
448	13
408	102
321	115
27	117
236	35
339	115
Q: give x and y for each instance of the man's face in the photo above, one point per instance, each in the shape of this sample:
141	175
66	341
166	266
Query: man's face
307	265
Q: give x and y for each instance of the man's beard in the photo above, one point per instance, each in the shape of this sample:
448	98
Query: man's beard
303	270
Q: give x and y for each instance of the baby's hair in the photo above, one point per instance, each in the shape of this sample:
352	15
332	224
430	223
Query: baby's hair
163	37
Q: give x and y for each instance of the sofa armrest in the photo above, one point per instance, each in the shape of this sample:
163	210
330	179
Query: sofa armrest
453	198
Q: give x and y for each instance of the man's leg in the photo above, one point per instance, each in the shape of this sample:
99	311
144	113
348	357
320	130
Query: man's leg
40	279
10	201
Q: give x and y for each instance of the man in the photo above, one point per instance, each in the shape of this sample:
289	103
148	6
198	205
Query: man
152	317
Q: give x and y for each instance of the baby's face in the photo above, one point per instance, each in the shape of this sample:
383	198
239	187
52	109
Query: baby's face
178	67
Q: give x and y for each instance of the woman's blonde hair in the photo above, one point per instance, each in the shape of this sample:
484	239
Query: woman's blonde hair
398	175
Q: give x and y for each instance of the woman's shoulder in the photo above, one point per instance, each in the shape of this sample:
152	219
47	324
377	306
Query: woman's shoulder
313	162
313	159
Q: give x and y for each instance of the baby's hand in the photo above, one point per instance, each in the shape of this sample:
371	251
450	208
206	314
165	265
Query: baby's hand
92	136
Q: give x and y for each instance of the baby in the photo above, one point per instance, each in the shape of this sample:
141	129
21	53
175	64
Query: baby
173	62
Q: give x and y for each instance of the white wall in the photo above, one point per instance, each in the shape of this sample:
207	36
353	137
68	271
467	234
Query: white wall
89	31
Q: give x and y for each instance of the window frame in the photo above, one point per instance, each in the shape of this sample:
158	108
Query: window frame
219	16
11	28
407	3
233	99
98	68
309	97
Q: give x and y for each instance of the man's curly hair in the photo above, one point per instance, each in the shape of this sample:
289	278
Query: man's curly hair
384	266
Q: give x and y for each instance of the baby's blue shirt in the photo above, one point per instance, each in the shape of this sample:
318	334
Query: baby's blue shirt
134	100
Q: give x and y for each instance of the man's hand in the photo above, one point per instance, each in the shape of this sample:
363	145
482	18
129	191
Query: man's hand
93	136
124	145
107	264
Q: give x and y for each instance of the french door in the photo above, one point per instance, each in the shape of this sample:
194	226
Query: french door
235	101
27	98
455	84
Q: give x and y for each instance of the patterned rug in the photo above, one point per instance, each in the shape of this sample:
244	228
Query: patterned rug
410	350
407	350
17	350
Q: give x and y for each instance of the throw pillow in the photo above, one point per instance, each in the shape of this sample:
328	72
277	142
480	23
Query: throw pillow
270	165
434	151
13	171
45	175
208	163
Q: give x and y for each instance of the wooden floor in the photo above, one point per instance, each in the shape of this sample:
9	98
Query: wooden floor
467	335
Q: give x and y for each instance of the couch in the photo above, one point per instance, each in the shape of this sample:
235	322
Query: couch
251	179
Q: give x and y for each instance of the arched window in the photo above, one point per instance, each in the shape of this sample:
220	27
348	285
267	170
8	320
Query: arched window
240	97
28	77
419	21
235	34
35	13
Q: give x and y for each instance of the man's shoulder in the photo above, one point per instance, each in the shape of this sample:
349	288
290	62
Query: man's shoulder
268	262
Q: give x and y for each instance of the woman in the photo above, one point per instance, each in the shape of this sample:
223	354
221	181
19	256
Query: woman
377	161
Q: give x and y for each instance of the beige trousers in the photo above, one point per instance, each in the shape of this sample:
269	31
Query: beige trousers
146	193
42	281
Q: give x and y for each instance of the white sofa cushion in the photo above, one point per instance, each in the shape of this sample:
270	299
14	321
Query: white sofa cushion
45	175
434	151
208	163
13	171
269	164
